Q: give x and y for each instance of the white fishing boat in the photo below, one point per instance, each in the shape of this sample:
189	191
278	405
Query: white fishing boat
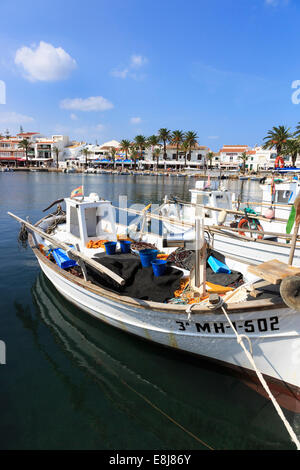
213	328
254	236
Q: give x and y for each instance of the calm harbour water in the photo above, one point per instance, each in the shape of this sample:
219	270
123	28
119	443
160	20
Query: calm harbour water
72	382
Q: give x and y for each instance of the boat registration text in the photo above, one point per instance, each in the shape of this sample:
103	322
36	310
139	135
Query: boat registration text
259	325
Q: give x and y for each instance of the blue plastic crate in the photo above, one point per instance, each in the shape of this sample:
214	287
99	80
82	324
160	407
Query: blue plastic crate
217	266
62	260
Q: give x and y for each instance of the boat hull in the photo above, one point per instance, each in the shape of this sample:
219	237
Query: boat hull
274	333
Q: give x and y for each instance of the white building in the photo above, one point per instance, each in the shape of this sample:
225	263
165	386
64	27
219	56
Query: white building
197	159
40	152
230	156
45	148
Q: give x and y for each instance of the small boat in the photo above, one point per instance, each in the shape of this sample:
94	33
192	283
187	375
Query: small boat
234	226
7	170
260	307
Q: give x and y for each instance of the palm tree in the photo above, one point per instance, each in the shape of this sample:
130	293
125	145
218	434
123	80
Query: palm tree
164	136
141	143
177	139
243	157
277	137
185	148
293	148
210	157
156	154
297	132
85	152
191	138
113	152
55	150
25	145
153	141
125	146
134	154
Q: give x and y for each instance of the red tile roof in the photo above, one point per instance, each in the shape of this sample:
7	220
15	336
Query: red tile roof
28	133
233	149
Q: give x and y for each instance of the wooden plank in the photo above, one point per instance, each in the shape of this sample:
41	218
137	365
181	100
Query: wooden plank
273	271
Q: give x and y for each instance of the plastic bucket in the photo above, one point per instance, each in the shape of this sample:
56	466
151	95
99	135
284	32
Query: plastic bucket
110	247
125	246
159	267
147	256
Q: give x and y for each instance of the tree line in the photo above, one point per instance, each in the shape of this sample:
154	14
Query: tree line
183	141
285	141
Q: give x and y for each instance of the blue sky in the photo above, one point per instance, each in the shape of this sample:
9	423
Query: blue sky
104	69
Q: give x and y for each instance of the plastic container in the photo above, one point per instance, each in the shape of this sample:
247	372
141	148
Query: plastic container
217	266
62	260
147	256
110	247
125	246
159	267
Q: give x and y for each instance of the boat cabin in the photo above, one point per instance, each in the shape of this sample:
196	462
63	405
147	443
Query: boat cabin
90	219
210	197
285	192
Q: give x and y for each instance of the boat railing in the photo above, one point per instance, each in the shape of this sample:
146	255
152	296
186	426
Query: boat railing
221	229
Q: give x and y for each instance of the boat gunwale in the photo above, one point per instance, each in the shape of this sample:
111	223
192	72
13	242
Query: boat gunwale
249	306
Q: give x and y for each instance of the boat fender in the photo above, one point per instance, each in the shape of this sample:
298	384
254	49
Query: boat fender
290	291
222	217
269	213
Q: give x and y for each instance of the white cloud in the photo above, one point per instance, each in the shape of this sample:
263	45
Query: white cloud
135	120
93	103
73	117
14	118
120	73
45	62
100	127
213	137
136	62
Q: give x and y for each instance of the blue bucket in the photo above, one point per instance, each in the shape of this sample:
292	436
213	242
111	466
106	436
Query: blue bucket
147	256
159	267
125	246
110	247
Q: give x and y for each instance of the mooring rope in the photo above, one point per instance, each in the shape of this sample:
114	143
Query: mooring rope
258	373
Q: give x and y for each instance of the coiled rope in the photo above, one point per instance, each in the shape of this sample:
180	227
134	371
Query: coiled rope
258	373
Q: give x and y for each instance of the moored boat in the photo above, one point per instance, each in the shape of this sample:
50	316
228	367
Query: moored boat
249	231
212	327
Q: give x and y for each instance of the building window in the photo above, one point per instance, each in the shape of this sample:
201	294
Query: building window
199	156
